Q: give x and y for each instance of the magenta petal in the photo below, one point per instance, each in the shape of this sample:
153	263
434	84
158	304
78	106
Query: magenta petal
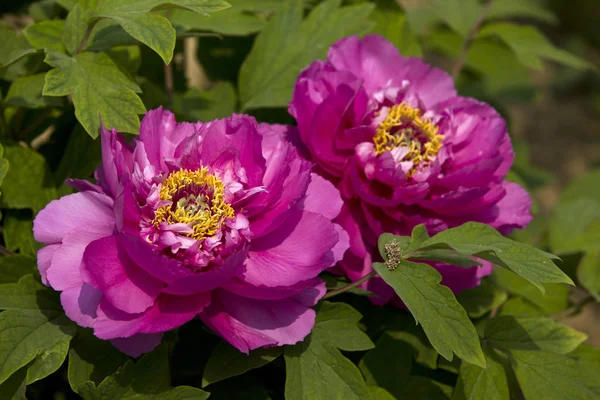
209	280
513	211
167	313
249	324
80	303
161	134
161	267
311	286
125	285
44	260
322	198
296	251
137	345
117	160
73	211
65	270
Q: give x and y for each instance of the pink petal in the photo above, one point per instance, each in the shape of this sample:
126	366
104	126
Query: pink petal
296	251
160	267
209	280
167	313
65	270
44	260
80	303
125	285
249	324
322	198
69	212
307	289
137	345
161	134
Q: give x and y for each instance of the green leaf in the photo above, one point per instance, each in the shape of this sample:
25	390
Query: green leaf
75	28
521	8
119	7
14	387
532	333
554	299
155	31
422	388
148	378
3	163
24	334
434	306
28	183
531	46
18	234
28	294
575	226
588	273
287	45
227	361
445	256
379	371
14	267
460	15
481	299
378	393
92	359
517	306
99	89
232	21
391	24
128	57
82	156
485	242
203	105
336	324
46	35
475	383
14	46
48	361
550	376
26	92
588	359
316	369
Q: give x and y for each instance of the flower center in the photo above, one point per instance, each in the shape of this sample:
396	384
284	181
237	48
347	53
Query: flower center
405	127
197	200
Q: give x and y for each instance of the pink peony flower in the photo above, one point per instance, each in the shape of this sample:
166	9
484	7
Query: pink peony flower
221	220
403	149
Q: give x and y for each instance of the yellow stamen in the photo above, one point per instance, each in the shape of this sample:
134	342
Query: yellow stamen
203	207
404	126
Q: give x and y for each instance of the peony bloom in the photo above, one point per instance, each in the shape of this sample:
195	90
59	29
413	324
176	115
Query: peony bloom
403	149
221	220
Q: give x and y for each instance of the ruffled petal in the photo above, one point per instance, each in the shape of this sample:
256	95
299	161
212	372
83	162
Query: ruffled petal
513	211
44	260
249	323
80	303
211	279
125	285
70	212
312	288
161	134
65	270
322	198
137	345
298	250
167	313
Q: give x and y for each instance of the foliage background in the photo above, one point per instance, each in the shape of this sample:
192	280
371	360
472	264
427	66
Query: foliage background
532	60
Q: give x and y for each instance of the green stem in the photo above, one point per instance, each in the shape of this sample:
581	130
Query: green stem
350	285
464	51
86	36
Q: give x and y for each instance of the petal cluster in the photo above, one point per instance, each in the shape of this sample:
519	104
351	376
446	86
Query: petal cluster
404	149
222	220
